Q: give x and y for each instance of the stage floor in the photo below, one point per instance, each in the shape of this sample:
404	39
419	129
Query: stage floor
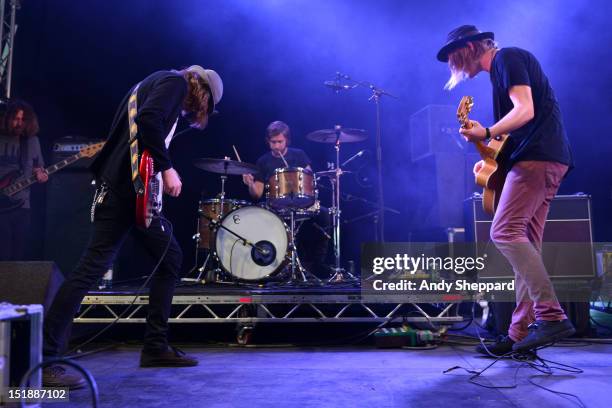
343	377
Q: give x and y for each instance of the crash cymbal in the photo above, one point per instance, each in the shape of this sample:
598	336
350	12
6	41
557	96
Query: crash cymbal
329	135
225	166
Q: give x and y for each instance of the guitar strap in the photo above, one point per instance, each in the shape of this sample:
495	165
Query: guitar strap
132	110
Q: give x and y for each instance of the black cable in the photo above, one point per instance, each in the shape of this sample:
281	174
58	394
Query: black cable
140	289
468	323
231	255
62	361
524	359
94	351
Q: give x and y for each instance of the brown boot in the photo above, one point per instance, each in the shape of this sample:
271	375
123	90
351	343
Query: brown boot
57	376
172	357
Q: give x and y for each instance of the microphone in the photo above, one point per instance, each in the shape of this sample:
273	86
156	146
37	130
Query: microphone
337	86
358	154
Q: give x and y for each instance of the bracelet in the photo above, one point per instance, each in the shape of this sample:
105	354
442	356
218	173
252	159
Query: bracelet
488	133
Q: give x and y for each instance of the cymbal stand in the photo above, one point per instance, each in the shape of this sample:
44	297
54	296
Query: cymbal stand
340	274
214	274
299	274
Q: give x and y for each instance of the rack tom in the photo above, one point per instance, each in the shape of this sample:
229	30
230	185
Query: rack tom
292	187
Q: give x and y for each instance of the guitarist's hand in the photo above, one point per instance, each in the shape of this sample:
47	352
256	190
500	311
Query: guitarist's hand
41	175
474	133
478	166
172	182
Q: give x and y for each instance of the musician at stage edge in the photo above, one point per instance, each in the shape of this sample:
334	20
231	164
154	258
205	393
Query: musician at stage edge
20	155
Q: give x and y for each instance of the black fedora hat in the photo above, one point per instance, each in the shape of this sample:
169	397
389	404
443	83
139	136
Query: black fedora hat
459	37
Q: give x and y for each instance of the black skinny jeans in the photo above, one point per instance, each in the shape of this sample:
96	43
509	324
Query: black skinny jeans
114	219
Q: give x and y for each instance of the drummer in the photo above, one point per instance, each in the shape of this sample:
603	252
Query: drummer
278	138
312	240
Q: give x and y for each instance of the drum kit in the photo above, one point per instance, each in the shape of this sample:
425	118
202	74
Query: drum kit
250	243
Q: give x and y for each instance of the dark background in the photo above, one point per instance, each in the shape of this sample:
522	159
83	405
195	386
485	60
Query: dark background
74	60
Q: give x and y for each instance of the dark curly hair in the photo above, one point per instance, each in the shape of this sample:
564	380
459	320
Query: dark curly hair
30	119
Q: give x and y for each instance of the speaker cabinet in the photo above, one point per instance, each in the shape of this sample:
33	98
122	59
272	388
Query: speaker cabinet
433	129
439	183
69	197
568	224
25	283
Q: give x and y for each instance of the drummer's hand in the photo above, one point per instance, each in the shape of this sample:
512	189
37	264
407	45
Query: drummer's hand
172	182
248	179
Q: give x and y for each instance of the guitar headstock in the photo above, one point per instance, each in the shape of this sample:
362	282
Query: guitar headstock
91	150
463	111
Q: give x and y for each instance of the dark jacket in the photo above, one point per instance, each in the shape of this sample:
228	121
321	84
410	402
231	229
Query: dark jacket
159	100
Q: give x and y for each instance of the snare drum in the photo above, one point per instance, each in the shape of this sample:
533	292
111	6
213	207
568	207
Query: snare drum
212	209
292	187
260	227
302	214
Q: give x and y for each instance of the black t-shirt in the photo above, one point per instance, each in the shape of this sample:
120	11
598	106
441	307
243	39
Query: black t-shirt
543	138
268	163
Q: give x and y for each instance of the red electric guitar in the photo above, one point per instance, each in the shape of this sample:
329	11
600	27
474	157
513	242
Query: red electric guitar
14	182
149	201
492	175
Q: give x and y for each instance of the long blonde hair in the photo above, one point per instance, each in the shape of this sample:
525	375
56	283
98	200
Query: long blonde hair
460	58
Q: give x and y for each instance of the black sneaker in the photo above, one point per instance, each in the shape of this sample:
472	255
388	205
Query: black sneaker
502	346
544	332
57	376
173	357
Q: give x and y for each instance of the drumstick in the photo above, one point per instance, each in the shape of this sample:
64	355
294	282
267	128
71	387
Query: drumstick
283	157
236	152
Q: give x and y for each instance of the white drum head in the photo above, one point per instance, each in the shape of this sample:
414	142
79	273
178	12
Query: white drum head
261	227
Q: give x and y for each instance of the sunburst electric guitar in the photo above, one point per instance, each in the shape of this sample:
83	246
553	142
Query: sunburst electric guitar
14	182
492	175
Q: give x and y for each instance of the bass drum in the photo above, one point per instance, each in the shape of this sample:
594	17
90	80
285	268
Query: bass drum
265	230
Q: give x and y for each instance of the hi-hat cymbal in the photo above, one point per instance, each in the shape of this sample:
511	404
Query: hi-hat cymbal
330	135
225	166
331	173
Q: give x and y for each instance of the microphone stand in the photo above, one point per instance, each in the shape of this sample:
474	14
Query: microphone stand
377	93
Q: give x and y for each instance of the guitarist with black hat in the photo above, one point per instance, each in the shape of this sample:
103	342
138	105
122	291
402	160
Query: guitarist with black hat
539	156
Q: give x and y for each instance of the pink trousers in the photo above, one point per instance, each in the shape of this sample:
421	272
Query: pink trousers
517	232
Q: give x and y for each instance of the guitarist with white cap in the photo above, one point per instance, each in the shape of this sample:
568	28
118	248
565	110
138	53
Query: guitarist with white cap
144	123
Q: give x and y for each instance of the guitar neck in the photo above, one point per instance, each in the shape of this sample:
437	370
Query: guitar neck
28	181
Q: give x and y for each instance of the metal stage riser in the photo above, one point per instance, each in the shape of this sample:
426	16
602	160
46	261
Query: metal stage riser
226	309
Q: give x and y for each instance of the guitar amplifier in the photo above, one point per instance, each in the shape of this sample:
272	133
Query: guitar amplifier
567	242
70	145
